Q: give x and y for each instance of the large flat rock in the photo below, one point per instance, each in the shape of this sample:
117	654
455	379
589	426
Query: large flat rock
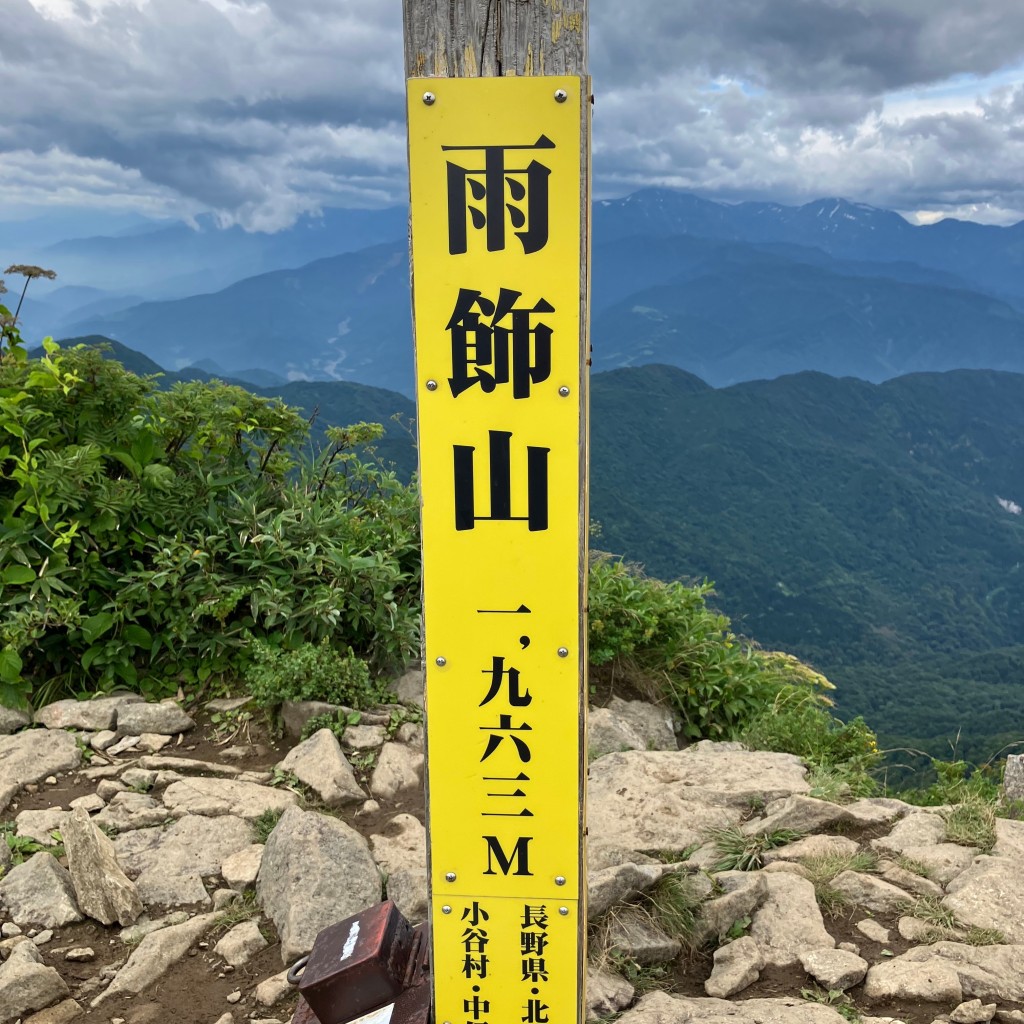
31	755
661	1008
215	797
990	894
654	800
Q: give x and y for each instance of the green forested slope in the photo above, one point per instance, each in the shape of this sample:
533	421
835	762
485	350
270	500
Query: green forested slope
856	525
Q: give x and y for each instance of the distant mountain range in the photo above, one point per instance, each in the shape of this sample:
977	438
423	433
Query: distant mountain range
876	530
730	293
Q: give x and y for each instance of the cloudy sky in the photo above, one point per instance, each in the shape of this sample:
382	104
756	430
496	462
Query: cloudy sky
260	110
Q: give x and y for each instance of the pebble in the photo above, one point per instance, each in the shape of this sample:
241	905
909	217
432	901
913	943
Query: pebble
235	996
43	937
51	780
80	955
9	929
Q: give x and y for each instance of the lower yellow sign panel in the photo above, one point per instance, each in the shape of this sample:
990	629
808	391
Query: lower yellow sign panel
505	961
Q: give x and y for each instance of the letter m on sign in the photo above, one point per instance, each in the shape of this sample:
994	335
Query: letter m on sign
520	855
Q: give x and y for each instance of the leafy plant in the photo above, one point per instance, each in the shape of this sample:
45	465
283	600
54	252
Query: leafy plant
836	998
972	822
23	847
739	928
310	672
337	722
265	823
738	851
402	714
675	903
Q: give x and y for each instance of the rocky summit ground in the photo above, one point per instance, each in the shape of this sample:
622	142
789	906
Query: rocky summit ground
167	867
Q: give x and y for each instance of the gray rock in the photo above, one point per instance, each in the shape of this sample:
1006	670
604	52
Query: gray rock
608	733
409	687
398	768
43	937
320	764
653	723
907	880
241	869
921	828
973	1012
1009	838
138	931
944	861
797	813
632	932
653	800
103	739
128	811
789	922
103	890
316	871
222	704
169	864
39	892
12	719
607	993
153	742
737	965
27	984
166	719
870	892
32	755
154	956
62	1013
411	734
139	778
94	715
661	1008
107	789
745	892
90	803
363	737
39	825
241	944
296	713
620	883
122	746
812	846
914	930
1013	778
80	955
186	765
215	797
990	894
873	930
905	978
834	969
273	989
401	854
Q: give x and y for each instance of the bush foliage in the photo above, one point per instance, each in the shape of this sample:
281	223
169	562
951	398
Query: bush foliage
151	539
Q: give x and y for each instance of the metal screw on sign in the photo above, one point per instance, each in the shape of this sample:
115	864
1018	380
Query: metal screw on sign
429	98
564	911
450	877
446	909
431	385
563	391
560	880
563	652
440	662
561	95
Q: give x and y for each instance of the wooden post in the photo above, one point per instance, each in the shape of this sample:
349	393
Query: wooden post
499	141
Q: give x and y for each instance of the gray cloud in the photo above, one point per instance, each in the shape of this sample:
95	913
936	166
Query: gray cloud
260	110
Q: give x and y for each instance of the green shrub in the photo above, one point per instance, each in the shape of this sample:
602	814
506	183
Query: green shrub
150	537
310	672
664	639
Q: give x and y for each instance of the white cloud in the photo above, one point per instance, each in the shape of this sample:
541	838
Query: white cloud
258	110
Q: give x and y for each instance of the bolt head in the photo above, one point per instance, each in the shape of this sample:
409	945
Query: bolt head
450	876
561	95
431	385
563	391
446	909
429	98
564	911
440	662
560	880
563	652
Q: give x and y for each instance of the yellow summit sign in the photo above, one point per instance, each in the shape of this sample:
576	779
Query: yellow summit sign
495	172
